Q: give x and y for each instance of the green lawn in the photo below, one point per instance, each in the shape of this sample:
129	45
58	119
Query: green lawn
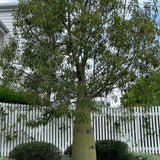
138	156
144	156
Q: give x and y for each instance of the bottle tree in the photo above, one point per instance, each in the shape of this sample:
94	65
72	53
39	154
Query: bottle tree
76	50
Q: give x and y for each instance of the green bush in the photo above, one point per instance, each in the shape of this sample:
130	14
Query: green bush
3	158
112	150
35	151
10	96
68	151
65	157
145	156
109	150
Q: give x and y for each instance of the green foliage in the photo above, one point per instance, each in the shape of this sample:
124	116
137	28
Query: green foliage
10	96
68	151
77	50
116	150
3	158
65	157
11	136
35	151
145	92
108	149
67	43
145	156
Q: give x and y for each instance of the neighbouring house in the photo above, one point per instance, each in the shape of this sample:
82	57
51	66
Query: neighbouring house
3	33
6	21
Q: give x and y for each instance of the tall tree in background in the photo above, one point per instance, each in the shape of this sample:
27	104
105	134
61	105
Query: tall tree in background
76	50
145	92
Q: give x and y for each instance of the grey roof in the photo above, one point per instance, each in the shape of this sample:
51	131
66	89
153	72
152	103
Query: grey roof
8	6
5	29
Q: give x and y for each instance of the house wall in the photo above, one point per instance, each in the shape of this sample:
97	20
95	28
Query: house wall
7	18
1	39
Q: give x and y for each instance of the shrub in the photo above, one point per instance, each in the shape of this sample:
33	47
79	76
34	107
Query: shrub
10	96
145	156
115	150
109	150
65	157
35	151
3	158
68	151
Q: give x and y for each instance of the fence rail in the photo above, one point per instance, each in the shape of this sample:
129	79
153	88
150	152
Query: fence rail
140	129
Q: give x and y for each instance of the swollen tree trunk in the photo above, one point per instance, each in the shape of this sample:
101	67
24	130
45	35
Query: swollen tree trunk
83	137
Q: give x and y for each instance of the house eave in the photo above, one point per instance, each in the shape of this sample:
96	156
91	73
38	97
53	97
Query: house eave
3	27
8	6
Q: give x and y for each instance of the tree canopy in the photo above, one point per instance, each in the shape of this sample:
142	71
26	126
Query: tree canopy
9	95
75	50
145	92
66	41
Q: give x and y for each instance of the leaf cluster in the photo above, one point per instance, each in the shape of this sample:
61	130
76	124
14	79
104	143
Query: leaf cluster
35	151
146	91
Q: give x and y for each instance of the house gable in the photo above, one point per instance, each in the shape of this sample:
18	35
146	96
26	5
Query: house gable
6	22
3	28
3	31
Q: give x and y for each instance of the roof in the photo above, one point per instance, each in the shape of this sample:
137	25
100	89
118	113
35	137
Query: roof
8	6
3	27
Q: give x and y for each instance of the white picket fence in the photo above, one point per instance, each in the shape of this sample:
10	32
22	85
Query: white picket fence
141	130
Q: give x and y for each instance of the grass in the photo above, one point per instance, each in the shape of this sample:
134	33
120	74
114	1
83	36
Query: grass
137	156
145	156
4	158
65	157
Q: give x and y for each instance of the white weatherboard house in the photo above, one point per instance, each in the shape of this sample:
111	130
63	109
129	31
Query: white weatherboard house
6	22
3	33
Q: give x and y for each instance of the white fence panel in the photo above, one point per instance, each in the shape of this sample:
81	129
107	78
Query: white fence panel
140	130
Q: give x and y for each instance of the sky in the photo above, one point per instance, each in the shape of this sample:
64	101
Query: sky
8	1
141	2
11	1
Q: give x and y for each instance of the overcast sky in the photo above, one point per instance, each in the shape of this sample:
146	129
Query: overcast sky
12	1
8	1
